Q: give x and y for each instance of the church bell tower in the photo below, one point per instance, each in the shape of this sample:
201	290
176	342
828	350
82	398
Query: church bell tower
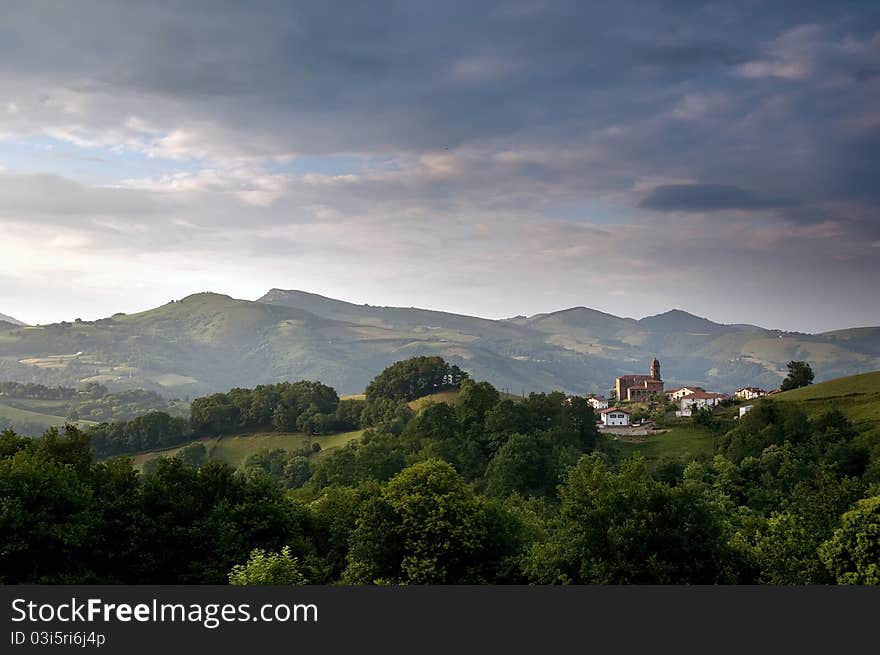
655	369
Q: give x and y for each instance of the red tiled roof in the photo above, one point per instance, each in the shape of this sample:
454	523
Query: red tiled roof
615	409
697	395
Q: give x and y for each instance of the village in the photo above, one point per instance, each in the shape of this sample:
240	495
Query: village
636	400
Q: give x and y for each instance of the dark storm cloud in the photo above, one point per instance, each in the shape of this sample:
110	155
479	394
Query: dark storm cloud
387	76
706	198
488	119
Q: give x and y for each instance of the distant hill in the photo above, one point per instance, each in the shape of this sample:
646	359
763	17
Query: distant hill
8	319
211	342
676	320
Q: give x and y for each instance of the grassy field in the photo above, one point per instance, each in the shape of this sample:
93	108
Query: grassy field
15	412
442	397
448	397
234	450
685	441
857	396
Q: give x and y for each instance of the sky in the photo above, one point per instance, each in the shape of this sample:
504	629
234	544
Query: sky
491	158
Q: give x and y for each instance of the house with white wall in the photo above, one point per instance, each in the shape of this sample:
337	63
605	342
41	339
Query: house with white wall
678	394
697	401
749	393
745	409
615	417
598	402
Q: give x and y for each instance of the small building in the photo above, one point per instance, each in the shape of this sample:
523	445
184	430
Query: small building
598	402
615	417
745	409
749	393
678	394
699	400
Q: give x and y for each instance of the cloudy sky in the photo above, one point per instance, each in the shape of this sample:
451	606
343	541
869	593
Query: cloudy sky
486	158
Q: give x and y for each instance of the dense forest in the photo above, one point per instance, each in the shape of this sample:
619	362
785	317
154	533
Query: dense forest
484	490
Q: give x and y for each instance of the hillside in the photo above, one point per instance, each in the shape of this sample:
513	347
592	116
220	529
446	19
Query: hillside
857	396
8	319
210	342
234	450
31	421
30	410
676	320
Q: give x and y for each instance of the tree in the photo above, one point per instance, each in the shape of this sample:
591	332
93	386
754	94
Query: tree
47	522
525	464
627	528
414	378
474	402
852	554
428	527
194	455
199	523
264	568
768	423
334	515
786	546
800	374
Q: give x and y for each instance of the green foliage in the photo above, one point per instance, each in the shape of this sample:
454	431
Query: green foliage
628	528
463	492
527	464
800	374
334	516
65	519
194	455
413	378
377	457
290	469
428	527
264	568
767	424
386	414
199	523
852	554
152	431
786	545
309	407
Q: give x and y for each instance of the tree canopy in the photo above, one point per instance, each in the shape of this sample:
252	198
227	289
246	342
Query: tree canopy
800	374
413	378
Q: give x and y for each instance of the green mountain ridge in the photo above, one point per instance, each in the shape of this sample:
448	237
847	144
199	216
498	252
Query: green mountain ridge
210	342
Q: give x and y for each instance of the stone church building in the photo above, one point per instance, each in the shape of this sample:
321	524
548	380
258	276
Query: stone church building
640	387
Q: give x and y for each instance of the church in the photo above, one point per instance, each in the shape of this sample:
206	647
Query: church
640	387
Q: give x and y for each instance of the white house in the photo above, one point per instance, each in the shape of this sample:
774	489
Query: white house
598	402
615	417
745	409
678	394
749	393
698	400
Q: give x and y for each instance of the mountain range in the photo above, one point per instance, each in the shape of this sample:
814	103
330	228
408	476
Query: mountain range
8	319
209	342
